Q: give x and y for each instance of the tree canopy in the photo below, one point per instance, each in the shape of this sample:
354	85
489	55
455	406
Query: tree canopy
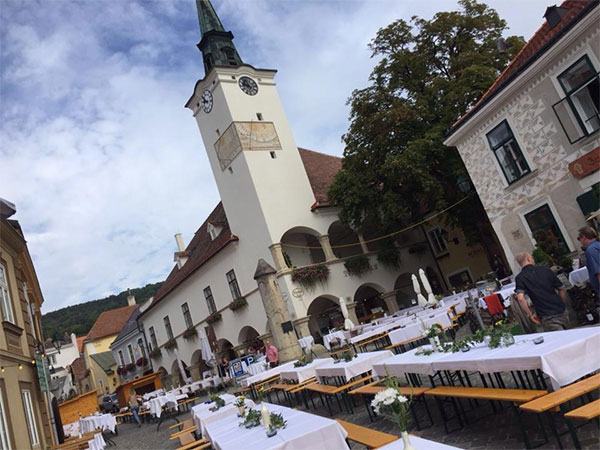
395	167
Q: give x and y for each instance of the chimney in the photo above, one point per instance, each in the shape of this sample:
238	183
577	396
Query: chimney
554	15
181	256
130	298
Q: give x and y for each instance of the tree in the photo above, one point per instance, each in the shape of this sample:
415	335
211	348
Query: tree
396	168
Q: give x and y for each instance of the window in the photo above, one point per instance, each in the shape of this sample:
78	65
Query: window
140	343
581	86
4	442
30	312
30	416
121	359
213	231
52	359
101	383
130	350
542	219
508	153
187	317
461	279
230	55
153	342
233	285
210	301
437	240
168	328
7	312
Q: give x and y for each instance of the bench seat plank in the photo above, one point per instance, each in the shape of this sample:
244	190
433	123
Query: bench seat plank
480	393
366	436
563	395
586	412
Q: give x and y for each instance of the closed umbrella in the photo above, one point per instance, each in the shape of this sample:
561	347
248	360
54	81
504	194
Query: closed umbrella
348	324
185	378
417	287
427	286
207	353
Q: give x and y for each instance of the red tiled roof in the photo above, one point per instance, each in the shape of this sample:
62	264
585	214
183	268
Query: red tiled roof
541	41
200	249
110	322
80	343
79	369
321	170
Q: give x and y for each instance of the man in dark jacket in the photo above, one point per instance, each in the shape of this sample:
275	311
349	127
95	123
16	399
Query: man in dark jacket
546	292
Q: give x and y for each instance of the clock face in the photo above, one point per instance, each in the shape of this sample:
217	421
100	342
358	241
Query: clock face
248	85
207	101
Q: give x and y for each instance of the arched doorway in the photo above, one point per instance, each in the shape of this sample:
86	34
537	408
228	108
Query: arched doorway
405	294
225	350
301	247
164	376
369	302
248	335
434	281
198	366
325	313
343	240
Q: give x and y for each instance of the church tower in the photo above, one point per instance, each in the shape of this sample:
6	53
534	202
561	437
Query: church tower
255	161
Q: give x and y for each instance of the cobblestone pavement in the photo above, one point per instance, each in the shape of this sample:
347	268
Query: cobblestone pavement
146	437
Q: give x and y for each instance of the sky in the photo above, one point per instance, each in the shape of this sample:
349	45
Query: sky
101	159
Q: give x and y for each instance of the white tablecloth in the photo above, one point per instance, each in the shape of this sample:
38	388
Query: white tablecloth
256	368
97	443
579	276
101	422
209	382
359	365
202	414
156	404
415	328
306	342
304	431
300	374
419	444
267	374
335	335
564	357
152	394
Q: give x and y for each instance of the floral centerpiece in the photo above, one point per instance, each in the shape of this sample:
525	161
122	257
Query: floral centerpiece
303	361
434	333
219	402
276	422
240	402
252	419
394	406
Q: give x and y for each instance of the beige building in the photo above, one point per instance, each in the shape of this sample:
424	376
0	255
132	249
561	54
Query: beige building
531	142
24	414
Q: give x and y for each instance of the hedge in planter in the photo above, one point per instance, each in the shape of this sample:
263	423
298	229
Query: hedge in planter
190	333
155	353
213	318
308	277
238	303
358	265
171	343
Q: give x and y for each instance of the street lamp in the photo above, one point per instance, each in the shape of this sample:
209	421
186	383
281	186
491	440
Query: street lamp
464	184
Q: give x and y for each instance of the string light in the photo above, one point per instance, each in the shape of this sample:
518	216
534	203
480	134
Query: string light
2	369
33	362
20	366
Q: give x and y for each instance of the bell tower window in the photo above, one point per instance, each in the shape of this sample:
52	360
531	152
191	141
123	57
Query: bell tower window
229	55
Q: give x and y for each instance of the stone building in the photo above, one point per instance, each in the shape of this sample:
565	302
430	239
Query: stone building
24	413
531	142
272	259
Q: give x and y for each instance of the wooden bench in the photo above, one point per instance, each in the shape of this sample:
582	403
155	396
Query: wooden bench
399	345
332	390
588	411
557	401
364	344
366	436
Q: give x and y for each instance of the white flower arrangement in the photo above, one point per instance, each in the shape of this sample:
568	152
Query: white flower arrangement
392	404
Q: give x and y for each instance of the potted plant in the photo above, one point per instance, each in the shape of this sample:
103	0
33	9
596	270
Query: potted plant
358	265
155	353
394	406
171	343
190	333
213	318
238	303
309	276
275	422
241	405
389	257
141	362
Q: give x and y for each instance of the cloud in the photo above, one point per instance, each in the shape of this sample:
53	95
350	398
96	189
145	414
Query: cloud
99	155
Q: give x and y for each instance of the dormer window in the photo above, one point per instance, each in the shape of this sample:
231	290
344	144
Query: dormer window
213	231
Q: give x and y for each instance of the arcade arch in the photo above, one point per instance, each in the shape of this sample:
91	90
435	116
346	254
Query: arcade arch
301	247
343	240
368	299
325	313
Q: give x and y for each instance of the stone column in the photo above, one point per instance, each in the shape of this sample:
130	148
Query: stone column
277	254
363	244
326	246
390	301
238	349
352	312
275	309
265	337
301	326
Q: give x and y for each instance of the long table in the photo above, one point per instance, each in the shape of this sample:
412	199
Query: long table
564	357
267	374
357	366
300	374
304	431
202	414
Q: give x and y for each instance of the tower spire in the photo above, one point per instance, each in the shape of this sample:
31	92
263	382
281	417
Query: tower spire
216	44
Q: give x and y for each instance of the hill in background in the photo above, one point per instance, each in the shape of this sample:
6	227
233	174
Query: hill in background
79	318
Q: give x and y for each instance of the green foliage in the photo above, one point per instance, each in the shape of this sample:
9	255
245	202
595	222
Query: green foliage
389	256
214	318
171	343
238	303
277	421
541	257
190	333
309	276
252	419
549	249
79	318
358	265
396	167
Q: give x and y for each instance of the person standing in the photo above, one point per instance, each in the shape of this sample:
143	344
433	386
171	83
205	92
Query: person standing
134	406
589	239
546	292
272	354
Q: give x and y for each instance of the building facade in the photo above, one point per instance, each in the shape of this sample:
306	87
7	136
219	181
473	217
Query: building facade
60	357
247	272
24	414
531	143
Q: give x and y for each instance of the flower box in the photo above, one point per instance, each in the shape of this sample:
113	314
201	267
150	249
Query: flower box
213	318
389	257
358	265
141	362
238	303
171	343
155	353
309	276
190	333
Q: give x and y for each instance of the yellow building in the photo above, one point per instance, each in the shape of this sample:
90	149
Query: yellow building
96	348
24	413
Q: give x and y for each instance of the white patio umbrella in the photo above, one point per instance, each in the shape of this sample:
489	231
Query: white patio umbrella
427	286
417	287
186	379
207	353
348	324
